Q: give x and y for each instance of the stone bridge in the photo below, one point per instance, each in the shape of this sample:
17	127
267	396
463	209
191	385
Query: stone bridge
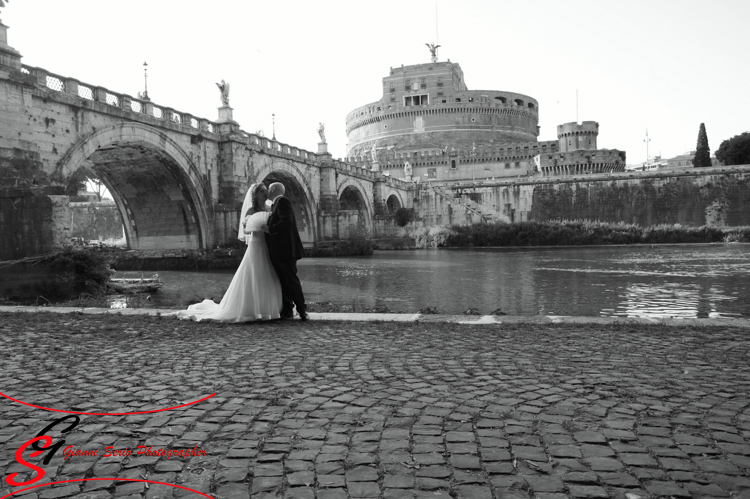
178	180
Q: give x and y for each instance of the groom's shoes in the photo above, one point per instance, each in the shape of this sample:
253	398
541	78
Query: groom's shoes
286	315
303	316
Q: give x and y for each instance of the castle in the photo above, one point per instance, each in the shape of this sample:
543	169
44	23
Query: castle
429	126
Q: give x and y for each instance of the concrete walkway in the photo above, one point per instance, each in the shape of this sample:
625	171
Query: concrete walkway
456	319
380	406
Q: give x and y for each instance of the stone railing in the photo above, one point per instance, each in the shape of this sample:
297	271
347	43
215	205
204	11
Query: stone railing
276	148
93	93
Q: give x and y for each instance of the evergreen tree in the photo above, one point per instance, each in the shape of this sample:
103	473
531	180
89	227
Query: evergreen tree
702	152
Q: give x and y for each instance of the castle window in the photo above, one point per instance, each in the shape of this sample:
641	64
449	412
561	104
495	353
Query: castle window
416	100
507	165
531	105
458	99
453	164
471	99
484	99
518	164
393	87
501	99
440	81
443	101
519	102
423	82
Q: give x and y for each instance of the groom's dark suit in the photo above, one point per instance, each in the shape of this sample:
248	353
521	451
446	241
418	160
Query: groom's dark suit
285	248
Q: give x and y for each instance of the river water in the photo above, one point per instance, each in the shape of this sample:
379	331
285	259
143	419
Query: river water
711	280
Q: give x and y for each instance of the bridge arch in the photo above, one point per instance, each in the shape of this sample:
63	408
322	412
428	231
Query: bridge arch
393	201
159	192
353	194
299	192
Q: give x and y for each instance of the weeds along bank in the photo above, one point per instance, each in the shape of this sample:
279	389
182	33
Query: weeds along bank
85	272
570	233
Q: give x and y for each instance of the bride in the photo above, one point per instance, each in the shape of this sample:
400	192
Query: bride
255	291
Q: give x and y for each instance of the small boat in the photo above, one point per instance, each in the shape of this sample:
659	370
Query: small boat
136	285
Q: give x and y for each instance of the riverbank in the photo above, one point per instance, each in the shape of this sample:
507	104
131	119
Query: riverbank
571	233
388	409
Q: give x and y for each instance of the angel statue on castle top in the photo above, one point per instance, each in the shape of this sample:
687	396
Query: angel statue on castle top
433	50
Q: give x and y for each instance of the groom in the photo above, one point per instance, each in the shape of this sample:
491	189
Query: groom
285	248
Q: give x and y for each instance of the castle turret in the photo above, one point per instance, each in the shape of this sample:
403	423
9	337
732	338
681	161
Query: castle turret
574	137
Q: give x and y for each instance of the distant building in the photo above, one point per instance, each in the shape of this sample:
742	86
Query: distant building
429	118
684	160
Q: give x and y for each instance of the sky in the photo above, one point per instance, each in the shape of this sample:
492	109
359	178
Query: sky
662	66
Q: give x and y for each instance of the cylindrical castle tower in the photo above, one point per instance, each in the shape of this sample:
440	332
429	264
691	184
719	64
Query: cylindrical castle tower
428	106
574	136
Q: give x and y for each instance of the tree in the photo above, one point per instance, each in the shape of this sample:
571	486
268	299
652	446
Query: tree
97	187
735	151
702	152
403	216
76	183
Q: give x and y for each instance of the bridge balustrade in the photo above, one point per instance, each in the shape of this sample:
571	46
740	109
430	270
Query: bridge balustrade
100	94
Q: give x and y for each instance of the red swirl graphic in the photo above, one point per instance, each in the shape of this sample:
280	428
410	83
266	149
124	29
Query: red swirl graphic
111	479
105	413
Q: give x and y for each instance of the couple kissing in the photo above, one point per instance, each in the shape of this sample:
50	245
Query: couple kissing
265	286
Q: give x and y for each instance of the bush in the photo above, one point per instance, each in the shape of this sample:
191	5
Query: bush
403	216
358	243
58	277
586	232
83	271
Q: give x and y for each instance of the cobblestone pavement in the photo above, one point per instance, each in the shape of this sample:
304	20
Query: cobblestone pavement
336	410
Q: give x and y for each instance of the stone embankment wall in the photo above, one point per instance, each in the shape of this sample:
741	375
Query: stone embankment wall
716	196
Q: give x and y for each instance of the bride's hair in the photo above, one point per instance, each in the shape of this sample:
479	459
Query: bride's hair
254	200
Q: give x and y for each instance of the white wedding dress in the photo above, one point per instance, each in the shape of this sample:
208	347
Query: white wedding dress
255	291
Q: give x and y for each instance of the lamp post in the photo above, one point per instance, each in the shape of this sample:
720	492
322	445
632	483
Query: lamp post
646	140
145	81
273	121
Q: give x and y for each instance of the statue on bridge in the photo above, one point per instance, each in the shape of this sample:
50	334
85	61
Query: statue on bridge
322	133
407	170
374	151
224	88
433	50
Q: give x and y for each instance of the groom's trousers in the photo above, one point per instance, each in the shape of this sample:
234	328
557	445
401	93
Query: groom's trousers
291	288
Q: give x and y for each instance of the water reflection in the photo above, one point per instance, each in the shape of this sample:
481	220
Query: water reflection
644	281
